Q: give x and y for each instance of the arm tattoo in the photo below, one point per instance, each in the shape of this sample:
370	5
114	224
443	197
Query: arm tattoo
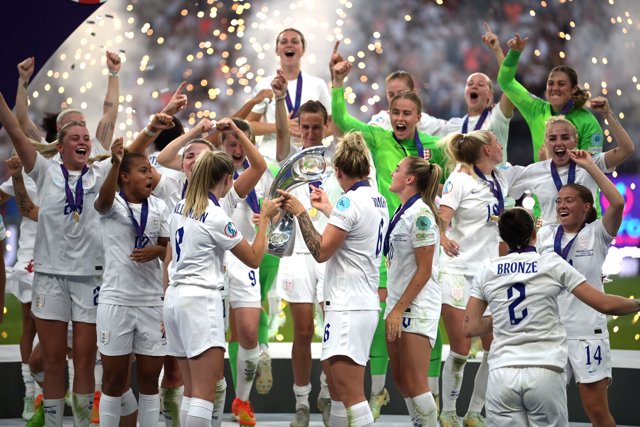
25	205
466	319
25	85
108	104
311	236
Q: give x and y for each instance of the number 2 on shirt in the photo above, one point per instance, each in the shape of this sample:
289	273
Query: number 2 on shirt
513	316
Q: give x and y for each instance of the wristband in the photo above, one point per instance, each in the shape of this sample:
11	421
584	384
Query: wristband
280	98
149	132
114	73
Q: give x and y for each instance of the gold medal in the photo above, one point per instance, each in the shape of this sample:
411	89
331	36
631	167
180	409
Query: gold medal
76	216
387	263
313	212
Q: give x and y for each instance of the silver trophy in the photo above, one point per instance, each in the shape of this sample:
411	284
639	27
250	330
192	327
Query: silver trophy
303	167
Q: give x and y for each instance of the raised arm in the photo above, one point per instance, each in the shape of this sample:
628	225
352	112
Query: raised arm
107	124
25	205
177	102
245	110
257	165
283	137
343	121
169	157
20	142
625	147
107	194
517	93
604	303
493	43
25	70
612	217
146	136
251	255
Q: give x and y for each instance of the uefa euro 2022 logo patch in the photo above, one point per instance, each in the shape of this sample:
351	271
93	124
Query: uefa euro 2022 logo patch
230	230
343	203
423	222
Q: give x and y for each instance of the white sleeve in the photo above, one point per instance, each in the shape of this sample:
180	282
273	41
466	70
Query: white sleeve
432	125
344	214
164	220
39	170
476	284
7	187
424	229
224	232
453	191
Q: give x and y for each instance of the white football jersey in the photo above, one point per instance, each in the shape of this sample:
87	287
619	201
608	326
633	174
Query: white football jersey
537	178
416	228
313	89
153	159
496	122
471	226
126	282
587	255
64	246
352	274
522	290
28	228
198	246
171	190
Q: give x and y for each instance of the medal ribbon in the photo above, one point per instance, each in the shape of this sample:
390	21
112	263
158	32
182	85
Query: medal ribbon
396	217
483	117
294	110
144	214
74	203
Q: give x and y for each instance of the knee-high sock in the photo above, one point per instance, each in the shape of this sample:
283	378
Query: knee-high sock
27	379
148	410
378	352
247	364
81	408
426	412
218	403
128	404
199	414
53	412
359	415
452	374
233	362
110	411
184	410
480	385
302	395
338	415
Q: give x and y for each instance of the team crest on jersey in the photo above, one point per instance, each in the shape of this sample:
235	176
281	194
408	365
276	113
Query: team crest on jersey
230	230
104	337
343	204
40	301
423	222
447	187
287	284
